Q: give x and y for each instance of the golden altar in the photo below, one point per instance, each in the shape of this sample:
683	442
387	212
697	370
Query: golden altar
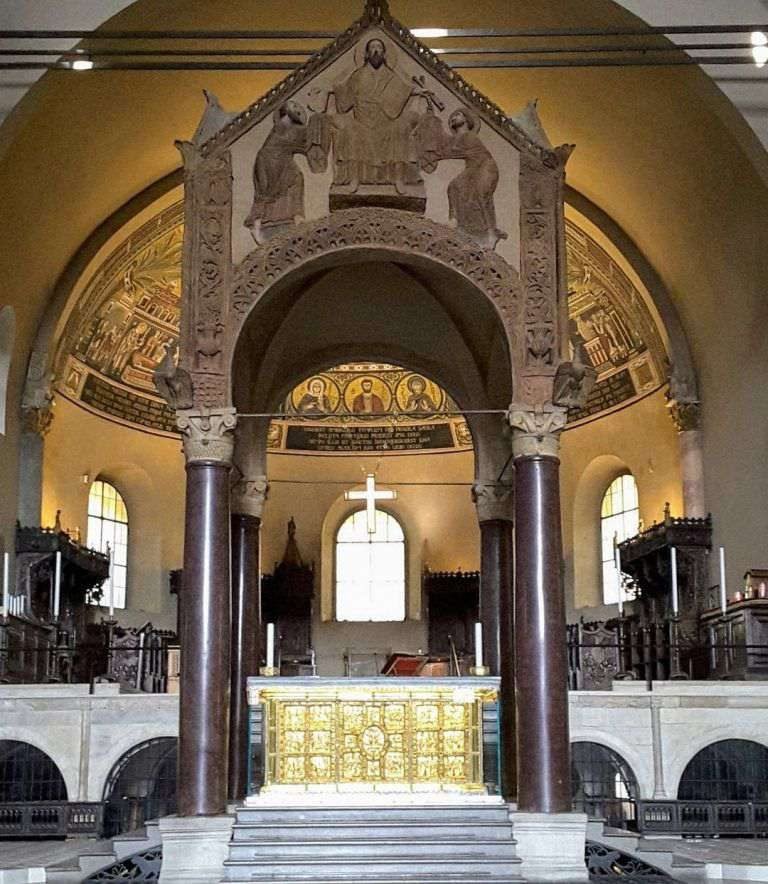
416	735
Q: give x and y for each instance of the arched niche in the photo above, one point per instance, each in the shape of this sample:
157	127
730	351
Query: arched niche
603	784
28	774
141	786
728	770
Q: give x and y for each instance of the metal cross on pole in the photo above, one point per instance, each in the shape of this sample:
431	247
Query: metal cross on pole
370	496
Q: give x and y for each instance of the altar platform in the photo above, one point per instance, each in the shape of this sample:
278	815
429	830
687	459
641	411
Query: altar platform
352	740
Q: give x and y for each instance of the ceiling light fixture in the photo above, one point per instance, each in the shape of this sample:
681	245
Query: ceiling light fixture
426	33
82	64
760	48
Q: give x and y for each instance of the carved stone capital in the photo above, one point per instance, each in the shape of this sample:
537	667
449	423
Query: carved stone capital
686	415
249	495
493	501
536	430
37	420
208	435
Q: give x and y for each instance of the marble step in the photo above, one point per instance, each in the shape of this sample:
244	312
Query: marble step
374	849
356	871
416	878
437	831
458	814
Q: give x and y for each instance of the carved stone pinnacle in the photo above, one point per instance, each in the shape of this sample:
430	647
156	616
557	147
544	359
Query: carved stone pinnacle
375	10
536	430
493	500
37	420
208	435
685	415
249	496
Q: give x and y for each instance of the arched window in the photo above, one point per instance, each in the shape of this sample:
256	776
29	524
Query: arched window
730	770
370	569
28	774
619	519
108	526
7	335
603	784
141	786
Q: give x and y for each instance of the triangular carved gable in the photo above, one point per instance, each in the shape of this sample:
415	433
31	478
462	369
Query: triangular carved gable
377	16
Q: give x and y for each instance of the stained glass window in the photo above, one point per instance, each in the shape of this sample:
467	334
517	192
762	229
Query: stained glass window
619	519
370	569
108	527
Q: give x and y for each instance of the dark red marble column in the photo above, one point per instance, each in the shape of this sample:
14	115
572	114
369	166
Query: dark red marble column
540	640
246	650
204	619
497	616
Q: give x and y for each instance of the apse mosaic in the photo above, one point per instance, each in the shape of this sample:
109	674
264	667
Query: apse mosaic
129	311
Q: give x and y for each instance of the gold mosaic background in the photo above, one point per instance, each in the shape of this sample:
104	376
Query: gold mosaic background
129	310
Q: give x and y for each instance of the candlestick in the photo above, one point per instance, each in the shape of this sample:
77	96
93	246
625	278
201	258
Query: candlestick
270	645
723	591
6	583
57	587
478	645
673	567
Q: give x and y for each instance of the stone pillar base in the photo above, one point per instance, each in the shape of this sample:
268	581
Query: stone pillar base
194	848
550	845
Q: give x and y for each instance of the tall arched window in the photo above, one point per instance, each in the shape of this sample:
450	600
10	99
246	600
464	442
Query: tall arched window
108	526
370	569
7	335
619	519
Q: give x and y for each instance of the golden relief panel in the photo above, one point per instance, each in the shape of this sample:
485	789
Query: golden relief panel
374	741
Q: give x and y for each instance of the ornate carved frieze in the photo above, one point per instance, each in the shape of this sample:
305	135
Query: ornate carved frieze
541	210
385	229
536	430
208	435
207	280
493	500
685	415
250	495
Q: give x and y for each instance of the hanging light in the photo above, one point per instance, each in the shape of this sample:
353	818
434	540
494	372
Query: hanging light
427	33
760	48
82	64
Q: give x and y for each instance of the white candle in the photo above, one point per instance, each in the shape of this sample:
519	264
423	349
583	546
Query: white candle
57	587
270	645
617	557
111	601
723	591
478	645
673	568
6	583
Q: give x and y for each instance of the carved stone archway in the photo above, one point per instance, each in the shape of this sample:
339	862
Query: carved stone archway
369	234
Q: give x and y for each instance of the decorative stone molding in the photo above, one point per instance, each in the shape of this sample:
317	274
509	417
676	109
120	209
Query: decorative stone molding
493	501
208	435
536	430
249	496
37	420
685	415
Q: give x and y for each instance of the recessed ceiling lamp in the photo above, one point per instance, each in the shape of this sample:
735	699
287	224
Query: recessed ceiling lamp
759	48
82	64
426	33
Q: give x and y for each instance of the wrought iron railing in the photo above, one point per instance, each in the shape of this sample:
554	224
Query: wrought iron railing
703	817
50	819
